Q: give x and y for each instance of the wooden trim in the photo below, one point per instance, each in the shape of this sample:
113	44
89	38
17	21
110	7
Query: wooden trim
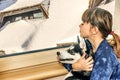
29	59
39	64
24	9
36	72
45	12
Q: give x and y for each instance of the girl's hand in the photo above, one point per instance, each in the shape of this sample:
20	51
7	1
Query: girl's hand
83	64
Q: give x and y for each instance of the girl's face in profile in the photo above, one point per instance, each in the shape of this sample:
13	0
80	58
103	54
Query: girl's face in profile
85	29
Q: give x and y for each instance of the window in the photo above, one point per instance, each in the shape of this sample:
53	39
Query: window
18	18
37	15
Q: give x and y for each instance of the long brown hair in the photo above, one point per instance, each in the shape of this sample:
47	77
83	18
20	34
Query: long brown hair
115	43
103	20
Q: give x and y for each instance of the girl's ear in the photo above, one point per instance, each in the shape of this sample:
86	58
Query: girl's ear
94	30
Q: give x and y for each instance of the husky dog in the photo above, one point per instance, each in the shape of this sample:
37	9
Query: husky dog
71	55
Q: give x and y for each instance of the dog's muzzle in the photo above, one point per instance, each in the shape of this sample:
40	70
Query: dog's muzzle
67	59
58	53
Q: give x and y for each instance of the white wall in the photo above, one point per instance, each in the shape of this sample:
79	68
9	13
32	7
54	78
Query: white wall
117	17
63	22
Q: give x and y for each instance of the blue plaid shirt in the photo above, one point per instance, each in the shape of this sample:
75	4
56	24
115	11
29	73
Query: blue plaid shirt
106	64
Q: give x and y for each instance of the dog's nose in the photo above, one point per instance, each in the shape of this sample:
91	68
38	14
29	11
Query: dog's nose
58	53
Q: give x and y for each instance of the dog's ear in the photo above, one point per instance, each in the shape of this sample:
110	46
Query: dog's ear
78	49
89	50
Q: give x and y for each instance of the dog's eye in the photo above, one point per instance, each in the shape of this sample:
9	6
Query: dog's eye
71	51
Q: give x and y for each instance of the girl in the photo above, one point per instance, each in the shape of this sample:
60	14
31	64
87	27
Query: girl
96	27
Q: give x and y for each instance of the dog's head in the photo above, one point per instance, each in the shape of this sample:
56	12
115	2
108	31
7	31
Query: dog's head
72	54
